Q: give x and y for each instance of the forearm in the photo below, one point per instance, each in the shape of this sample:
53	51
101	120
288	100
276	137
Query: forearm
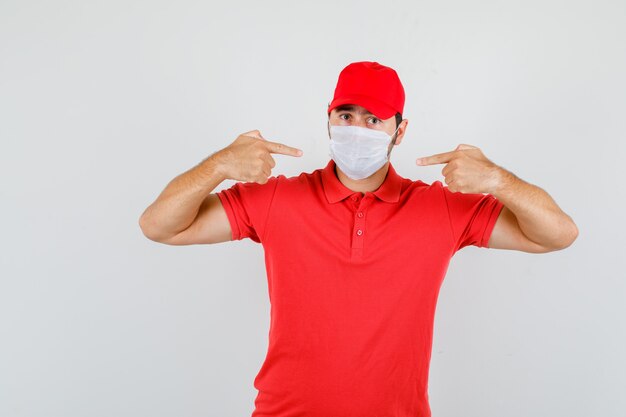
178	204
537	214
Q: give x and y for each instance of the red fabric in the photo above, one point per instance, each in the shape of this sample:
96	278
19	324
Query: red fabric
371	85
352	312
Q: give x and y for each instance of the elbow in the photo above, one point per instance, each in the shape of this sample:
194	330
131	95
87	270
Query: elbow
148	229
572	235
144	227
568	237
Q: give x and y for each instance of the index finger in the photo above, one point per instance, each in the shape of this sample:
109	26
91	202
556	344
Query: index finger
275	147
439	158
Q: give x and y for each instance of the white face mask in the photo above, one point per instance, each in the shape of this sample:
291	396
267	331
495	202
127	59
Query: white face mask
359	151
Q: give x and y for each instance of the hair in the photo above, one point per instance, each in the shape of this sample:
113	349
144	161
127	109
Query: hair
398	119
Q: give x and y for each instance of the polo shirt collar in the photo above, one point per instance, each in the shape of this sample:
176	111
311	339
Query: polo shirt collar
335	191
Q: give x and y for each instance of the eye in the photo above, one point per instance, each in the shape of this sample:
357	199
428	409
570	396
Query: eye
375	120
344	114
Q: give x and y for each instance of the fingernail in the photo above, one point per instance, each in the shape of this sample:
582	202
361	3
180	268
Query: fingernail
419	161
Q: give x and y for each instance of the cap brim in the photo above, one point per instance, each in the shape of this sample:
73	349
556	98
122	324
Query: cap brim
377	107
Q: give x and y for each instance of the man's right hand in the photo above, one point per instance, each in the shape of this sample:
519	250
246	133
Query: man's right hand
249	157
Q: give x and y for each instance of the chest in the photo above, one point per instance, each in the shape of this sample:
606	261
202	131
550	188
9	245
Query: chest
361	231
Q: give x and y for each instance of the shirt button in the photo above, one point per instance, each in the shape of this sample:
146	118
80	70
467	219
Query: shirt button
359	232
360	214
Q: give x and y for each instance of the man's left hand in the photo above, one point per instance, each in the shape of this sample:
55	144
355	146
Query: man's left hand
467	170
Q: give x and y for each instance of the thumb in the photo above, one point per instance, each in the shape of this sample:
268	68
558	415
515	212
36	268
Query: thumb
464	146
254	134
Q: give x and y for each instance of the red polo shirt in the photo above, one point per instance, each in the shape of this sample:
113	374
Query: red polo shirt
353	282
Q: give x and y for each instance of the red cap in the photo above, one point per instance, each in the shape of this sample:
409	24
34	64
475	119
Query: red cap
370	85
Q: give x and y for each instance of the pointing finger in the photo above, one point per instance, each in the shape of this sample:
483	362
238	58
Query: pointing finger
275	147
439	158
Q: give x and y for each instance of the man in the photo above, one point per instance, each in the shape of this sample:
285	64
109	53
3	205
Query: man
355	254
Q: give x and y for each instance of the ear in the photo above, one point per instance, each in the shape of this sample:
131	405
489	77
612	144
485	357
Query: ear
401	129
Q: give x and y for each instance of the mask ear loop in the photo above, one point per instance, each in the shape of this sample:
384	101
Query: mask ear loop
393	142
328	122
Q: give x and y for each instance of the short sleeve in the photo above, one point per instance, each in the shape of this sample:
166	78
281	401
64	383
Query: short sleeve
472	217
247	206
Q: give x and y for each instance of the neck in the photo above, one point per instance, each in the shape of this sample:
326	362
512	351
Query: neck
364	185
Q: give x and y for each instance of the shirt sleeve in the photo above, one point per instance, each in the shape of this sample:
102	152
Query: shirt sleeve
472	217
247	206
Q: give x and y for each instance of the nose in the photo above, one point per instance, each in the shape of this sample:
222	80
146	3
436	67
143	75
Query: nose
358	120
361	121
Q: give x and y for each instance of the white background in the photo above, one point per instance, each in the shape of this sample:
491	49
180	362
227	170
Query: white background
102	103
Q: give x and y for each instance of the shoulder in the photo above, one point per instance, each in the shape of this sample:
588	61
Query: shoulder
414	187
307	179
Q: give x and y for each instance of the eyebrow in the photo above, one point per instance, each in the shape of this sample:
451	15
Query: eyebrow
351	108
